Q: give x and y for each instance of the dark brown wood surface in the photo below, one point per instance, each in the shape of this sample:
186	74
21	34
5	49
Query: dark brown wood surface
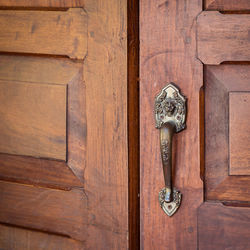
42	3
219	81
223	227
222	37
22	239
167	54
226	5
63	31
133	123
239	133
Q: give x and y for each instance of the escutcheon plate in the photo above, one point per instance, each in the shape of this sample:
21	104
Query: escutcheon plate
170	207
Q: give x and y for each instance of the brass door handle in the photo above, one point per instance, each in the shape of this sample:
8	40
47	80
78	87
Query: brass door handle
170	116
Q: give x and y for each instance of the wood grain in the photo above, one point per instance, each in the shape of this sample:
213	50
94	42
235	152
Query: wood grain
222	227
38	69
133	124
222	38
44	32
225	5
56	72
239	133
41	172
167	54
219	81
106	172
61	212
13	238
42	3
33	119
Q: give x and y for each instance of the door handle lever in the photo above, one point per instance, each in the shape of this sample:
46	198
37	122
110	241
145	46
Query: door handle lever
170	116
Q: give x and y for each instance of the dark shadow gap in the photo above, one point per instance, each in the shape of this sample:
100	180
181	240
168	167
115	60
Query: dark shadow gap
133	124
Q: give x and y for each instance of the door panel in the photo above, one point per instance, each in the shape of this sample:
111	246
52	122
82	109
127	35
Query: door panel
64	173
51	210
43	3
221	84
29	115
167	54
206	54
222	37
223	227
63	31
225	5
21	239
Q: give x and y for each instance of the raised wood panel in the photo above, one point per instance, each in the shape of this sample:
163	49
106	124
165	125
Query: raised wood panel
42	3
44	32
39	70
222	227
58	73
42	172
219	81
222	37
239	133
167	54
225	5
33	119
62	212
106	172
13	238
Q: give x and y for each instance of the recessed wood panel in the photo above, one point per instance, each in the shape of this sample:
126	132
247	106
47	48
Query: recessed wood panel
13	238
223	37
44	32
222	227
227	5
239	133
42	3
33	119
62	73
219	82
57	211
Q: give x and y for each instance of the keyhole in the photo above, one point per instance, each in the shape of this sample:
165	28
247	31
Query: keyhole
169	207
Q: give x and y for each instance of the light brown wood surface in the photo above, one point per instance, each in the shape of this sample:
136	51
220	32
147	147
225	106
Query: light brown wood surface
41	172
33	119
222	37
219	82
239	133
223	227
167	54
22	239
226	5
42	3
44	32
96	200
106	172
53	73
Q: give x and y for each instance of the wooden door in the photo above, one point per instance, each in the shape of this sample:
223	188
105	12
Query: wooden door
63	125
204	48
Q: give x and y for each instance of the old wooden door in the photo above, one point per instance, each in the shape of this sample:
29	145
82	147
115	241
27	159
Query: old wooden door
63	124
204	48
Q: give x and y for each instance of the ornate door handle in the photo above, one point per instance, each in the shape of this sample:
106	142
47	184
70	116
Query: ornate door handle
170	115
